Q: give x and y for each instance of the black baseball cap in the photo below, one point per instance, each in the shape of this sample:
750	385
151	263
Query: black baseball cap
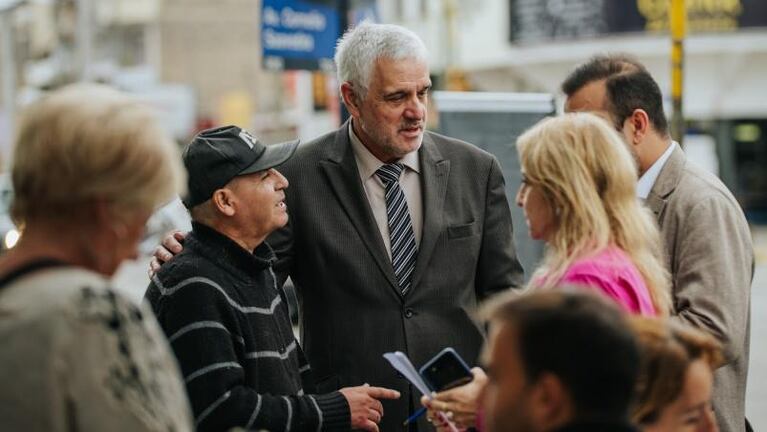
216	156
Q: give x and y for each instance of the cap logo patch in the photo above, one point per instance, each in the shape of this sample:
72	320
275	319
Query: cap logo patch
249	140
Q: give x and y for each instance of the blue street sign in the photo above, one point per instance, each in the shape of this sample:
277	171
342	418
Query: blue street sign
298	34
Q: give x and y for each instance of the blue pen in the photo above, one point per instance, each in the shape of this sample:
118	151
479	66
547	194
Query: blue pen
414	417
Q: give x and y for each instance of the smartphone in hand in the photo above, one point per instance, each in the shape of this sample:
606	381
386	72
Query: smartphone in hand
445	371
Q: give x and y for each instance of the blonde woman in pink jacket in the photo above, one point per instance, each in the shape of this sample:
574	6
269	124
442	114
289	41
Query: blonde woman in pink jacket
579	196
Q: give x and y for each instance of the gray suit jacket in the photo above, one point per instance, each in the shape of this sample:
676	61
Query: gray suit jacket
711	260
351	308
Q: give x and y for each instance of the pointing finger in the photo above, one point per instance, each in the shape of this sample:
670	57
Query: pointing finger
383	393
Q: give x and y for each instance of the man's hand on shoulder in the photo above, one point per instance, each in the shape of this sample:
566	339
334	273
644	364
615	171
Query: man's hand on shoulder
364	405
171	245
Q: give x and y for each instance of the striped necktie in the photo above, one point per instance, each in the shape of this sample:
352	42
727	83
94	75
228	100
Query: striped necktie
403	247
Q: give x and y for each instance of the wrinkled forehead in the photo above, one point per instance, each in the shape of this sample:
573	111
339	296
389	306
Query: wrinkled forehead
395	74
406	66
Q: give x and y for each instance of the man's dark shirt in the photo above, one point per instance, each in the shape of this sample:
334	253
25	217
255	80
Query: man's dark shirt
228	325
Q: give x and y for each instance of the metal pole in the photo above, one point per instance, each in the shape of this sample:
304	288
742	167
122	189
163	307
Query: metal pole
678	24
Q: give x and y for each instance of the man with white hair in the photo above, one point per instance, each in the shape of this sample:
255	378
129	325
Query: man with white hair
395	233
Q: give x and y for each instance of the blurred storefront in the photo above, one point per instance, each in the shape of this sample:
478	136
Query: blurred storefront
266	64
531	45
57	42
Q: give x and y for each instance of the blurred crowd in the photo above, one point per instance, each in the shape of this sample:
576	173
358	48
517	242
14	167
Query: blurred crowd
397	239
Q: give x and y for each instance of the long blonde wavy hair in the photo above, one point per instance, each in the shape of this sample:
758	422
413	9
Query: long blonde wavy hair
588	178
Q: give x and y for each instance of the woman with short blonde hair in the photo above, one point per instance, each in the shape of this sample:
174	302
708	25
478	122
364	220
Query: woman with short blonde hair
579	196
87	142
90	166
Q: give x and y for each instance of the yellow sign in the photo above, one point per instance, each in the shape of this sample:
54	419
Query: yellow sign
702	15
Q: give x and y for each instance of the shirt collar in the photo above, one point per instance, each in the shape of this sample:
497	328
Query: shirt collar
647	181
369	164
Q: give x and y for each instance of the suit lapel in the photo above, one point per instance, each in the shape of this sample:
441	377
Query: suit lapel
340	168
667	180
435	171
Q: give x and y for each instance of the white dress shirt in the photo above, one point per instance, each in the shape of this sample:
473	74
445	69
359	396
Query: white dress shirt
647	181
410	182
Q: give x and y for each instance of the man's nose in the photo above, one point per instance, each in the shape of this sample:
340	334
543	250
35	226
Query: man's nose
282	182
415	109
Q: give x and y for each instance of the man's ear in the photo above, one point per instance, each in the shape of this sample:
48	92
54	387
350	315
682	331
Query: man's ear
639	122
350	99
224	201
552	403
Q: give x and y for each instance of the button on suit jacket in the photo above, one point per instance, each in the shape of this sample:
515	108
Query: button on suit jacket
352	310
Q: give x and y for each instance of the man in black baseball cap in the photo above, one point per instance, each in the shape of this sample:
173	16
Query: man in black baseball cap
216	156
221	309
